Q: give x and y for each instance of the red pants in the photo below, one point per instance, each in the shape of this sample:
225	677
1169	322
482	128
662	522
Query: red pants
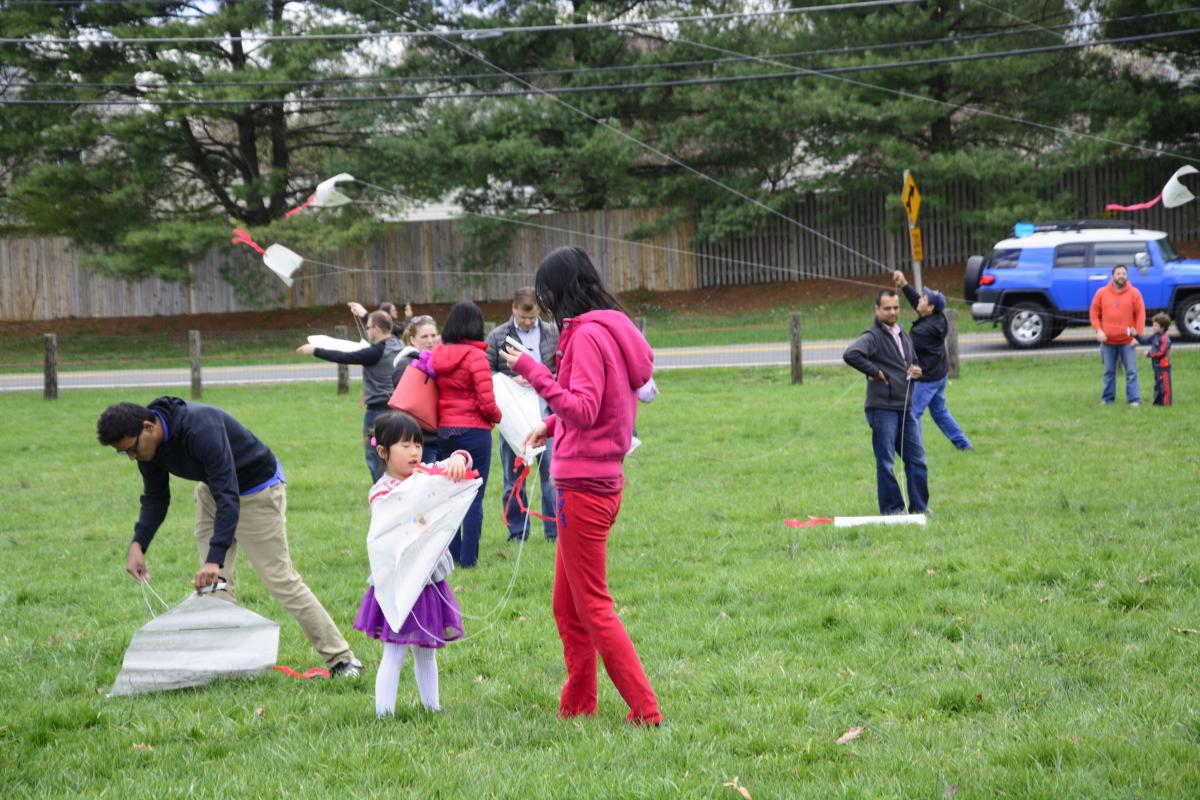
583	610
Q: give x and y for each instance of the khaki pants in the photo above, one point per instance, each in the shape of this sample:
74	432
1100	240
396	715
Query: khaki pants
262	534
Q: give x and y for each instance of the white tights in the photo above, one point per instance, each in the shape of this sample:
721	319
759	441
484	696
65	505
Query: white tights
387	679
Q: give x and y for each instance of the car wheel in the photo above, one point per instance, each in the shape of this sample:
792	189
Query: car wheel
1027	325
1187	317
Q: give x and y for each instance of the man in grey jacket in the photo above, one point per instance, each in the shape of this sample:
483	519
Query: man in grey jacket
884	353
526	326
376	361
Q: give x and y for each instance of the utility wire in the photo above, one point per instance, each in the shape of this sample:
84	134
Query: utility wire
467	33
645	66
959	107
792	73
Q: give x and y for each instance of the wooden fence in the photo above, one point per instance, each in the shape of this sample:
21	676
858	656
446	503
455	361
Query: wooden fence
423	262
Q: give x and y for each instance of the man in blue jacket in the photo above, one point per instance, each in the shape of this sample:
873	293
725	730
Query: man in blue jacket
884	353
241	499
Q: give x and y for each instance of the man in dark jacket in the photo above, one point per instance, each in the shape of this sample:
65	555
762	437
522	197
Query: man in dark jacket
884	353
527	327
376	360
241	499
928	333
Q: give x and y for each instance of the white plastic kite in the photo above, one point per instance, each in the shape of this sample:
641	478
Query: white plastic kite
340	345
1174	194
850	522
279	259
326	195
520	410
201	639
410	528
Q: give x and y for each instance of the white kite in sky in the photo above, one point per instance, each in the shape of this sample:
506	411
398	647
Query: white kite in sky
279	259
1173	195
326	195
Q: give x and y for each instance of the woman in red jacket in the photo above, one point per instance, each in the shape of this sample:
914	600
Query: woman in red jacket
467	411
603	360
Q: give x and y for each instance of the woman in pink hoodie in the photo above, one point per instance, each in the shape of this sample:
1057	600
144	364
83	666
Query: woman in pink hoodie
603	360
466	410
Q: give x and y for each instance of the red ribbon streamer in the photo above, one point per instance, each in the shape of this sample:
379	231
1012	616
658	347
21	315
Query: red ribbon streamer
518	486
301	207
1134	207
308	673
811	522
434	469
241	237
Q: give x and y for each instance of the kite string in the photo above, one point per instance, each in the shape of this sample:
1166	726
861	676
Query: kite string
145	586
500	605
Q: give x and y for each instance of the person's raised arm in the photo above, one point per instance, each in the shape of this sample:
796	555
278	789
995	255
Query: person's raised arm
367	356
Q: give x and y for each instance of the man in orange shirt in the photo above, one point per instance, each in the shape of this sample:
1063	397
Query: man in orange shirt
1117	315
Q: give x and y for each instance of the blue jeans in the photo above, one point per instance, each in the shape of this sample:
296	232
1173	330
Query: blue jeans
477	442
375	466
1128	356
932	395
518	523
892	433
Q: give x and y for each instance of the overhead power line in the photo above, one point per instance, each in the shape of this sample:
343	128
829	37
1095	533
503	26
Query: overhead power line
622	68
397	98
468	33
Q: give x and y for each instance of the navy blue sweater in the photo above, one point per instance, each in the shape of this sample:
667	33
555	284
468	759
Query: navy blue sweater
203	443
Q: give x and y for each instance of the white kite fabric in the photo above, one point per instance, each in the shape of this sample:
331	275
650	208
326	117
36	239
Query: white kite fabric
340	345
410	527
520	410
1175	193
854	522
279	259
201	639
325	196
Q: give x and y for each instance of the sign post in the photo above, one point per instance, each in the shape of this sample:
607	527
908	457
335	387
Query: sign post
910	198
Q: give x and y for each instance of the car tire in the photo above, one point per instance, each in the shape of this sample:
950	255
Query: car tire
1028	325
971	278
1187	318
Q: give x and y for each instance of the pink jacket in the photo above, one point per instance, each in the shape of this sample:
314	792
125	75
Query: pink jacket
603	360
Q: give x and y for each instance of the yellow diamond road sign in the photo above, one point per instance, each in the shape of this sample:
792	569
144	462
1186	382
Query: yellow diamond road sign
911	198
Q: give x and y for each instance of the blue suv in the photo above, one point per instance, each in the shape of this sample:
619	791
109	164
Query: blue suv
1042	280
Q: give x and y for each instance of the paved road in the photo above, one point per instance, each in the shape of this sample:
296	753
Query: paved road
817	353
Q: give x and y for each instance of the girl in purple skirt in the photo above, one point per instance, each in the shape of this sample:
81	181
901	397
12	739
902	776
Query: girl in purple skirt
435	618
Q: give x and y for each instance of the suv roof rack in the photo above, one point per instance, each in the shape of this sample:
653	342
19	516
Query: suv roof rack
1080	224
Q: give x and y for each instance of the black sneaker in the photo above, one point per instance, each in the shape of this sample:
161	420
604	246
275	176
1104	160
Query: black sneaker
350	668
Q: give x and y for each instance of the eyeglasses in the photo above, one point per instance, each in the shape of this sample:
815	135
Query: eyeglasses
131	451
424	319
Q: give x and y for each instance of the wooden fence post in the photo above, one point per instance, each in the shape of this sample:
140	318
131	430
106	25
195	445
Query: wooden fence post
343	370
641	323
797	357
50	377
952	342
194	357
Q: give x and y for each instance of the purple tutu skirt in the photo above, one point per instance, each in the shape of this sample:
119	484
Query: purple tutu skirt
434	620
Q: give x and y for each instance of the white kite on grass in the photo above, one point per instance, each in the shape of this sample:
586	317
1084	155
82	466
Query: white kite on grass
201	639
851	522
279	259
410	527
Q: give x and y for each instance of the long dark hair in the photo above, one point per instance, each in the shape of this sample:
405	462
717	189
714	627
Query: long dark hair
568	285
465	322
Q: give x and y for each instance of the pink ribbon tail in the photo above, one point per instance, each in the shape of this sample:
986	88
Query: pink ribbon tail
241	237
308	673
300	207
1135	207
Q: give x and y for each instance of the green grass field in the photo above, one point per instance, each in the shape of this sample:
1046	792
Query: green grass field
1025	644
